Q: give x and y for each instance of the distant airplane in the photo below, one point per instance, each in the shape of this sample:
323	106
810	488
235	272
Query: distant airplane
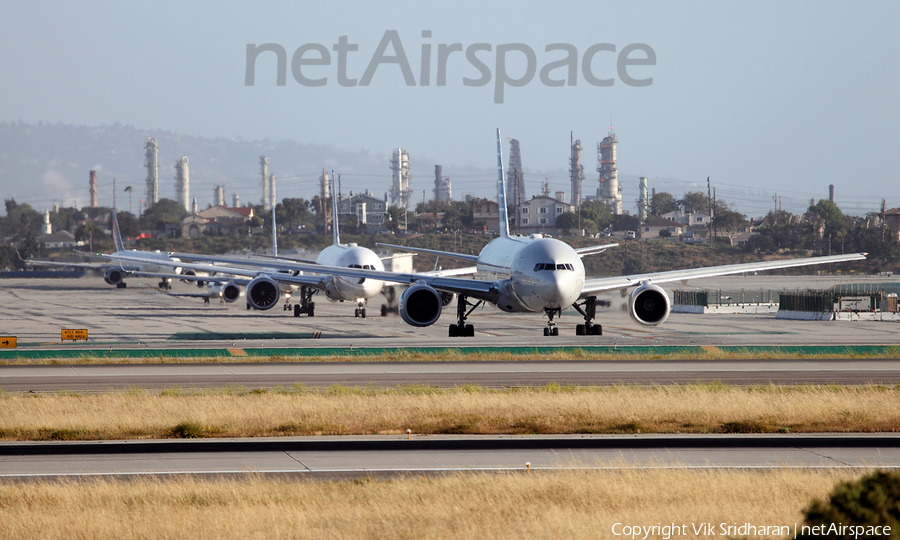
143	263
532	274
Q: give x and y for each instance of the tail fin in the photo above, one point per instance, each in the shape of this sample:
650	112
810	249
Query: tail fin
334	212
274	234
501	196
117	233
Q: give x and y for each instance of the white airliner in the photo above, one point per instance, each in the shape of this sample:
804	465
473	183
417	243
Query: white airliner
265	289
530	274
125	262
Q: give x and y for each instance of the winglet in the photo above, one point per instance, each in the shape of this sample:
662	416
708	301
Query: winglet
117	233
334	212
501	196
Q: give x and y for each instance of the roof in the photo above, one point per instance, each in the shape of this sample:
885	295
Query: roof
662	223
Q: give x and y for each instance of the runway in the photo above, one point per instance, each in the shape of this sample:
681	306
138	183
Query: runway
102	378
331	457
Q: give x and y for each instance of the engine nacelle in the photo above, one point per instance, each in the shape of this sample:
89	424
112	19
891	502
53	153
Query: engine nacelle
231	292
446	298
648	305
114	276
263	293
420	305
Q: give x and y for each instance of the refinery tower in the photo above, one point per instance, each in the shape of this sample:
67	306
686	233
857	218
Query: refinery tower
610	192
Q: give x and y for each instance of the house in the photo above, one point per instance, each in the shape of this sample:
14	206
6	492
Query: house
690	219
892	220
60	239
368	210
216	220
539	214
487	213
650	229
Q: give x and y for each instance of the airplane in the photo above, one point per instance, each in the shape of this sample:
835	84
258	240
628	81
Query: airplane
265	288
142	263
533	274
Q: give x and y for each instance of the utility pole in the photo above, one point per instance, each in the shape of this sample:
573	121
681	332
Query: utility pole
715	225
709	207
882	220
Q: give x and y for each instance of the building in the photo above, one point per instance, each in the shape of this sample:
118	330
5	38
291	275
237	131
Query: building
59	239
650	229
892	220
216	220
539	214
368	210
690	219
487	213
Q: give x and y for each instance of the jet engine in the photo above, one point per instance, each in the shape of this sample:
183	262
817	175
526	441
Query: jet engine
114	276
263	293
231	292
420	305
446	298
194	274
648	304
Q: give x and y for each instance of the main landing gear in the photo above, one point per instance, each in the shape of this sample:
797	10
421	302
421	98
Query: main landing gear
551	329
461	329
589	312
165	284
305	305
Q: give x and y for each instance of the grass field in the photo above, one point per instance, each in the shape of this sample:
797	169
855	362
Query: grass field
553	409
566	504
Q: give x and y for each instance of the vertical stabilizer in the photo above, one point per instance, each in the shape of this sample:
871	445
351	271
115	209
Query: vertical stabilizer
334	212
274	234
504	217
117	233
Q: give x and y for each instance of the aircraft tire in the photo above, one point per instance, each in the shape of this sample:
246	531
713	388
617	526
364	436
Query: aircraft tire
362	313
579	330
383	310
597	330
296	310
470	330
546	331
454	330
555	331
311	309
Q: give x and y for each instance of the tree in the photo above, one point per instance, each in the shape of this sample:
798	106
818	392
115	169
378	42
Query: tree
88	231
728	223
597	212
694	202
395	215
874	499
662	203
834	218
665	233
164	211
623	222
128	225
567	222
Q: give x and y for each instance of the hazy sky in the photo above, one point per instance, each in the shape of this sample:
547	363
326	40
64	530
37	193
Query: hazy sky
783	97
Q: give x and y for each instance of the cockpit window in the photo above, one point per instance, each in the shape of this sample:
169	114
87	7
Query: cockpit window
554	266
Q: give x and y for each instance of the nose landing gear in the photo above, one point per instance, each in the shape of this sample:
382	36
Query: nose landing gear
360	312
551	329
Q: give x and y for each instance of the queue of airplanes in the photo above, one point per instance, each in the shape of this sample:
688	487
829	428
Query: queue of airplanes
517	274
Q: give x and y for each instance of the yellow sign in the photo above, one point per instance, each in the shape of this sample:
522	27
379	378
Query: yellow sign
8	342
74	334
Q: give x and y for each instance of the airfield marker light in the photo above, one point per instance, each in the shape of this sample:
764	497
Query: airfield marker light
527	466
408	433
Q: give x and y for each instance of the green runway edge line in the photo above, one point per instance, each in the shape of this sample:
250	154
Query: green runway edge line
444	353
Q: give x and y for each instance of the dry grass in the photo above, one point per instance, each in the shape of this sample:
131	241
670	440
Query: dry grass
456	355
567	504
464	410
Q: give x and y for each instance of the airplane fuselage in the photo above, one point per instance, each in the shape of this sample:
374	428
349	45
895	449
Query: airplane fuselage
351	256
535	273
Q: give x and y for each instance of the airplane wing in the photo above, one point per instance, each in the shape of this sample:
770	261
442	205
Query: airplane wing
592	250
90	266
470	258
186	277
597	285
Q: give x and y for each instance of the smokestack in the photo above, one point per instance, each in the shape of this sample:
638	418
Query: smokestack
194	206
93	184
152	164
219	196
576	172
264	170
182	183
235	200
831	192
